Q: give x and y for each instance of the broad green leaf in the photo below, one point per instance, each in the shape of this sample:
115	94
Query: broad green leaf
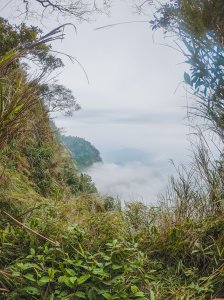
116	267
107	296
92	295
51	273
31	290
29	277
140	294
32	251
80	295
83	279
68	282
70	272
43	280
16	274
61	279
73	279
27	266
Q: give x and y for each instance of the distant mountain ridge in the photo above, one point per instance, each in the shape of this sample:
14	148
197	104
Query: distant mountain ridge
83	152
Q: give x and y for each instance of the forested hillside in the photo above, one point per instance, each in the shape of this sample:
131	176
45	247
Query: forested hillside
60	239
83	152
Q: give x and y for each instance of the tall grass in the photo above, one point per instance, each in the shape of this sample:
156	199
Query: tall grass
18	94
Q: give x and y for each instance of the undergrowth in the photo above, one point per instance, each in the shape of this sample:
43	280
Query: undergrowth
83	248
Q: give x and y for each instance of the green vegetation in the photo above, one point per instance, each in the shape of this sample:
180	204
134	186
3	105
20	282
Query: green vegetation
59	239
200	27
84	153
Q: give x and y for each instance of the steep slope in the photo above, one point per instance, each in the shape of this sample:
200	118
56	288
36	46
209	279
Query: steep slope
58	238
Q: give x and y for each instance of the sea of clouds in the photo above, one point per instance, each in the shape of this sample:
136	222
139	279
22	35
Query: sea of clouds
133	181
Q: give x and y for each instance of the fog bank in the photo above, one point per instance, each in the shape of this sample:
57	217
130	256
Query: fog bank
131	181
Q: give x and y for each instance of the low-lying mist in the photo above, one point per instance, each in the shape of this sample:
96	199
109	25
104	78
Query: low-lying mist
131	181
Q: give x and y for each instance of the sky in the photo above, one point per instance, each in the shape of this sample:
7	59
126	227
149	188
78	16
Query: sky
130	100
135	99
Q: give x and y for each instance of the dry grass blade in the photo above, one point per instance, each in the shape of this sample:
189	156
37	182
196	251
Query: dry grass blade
30	229
14	55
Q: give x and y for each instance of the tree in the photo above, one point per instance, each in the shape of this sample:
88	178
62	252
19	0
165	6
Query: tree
81	10
192	17
22	36
200	26
56	97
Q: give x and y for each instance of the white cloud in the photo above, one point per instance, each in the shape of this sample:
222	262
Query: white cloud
133	181
130	101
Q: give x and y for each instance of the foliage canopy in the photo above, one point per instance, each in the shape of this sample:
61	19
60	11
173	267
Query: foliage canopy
200	26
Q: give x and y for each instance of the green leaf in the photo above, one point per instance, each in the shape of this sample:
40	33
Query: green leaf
140	294
16	274
134	289
27	266
152	295
61	279
81	249
116	267
51	273
73	279
68	282
83	279
92	295
107	296
32	251
43	280
80	295
31	290
29	277
70	272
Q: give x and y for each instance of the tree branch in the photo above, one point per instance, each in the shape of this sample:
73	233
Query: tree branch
29	229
